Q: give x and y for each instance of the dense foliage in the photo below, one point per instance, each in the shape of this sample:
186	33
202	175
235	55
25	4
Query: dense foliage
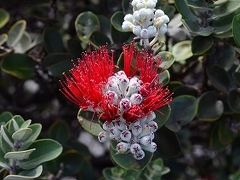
199	134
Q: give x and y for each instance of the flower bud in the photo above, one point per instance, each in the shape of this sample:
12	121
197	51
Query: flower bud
102	137
139	155
114	133
137	30
135	148
112	85
123	84
146	140
144	34
153	126
151	116
126	135
163	29
136	98
106	125
136	130
111	97
122	147
146	131
128	17
124	105
151	148
134	86
120	125
152	31
158	13
127	26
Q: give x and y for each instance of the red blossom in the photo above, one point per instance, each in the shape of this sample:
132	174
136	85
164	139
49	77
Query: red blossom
86	83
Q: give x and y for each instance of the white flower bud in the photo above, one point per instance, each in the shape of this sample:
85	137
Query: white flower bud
153	126
146	140
146	131
122	147
151	4
127	26
136	130
129	17
126	135
120	125
134	86
139	155
137	30
114	133
163	29
140	5
107	125
102	137
111	97
112	85
124	105
152	31
123	83
151	116
152	136
151	148
136	98
165	19
158	13
135	148
144	34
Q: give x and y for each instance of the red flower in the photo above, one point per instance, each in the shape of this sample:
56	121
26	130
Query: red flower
130	94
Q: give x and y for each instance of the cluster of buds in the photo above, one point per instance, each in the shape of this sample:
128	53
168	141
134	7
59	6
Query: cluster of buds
138	135
146	21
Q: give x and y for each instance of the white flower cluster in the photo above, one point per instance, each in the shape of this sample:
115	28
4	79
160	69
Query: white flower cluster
134	137
146	22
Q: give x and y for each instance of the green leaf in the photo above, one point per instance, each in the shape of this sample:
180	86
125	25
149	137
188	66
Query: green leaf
164	77
209	107
22	134
167	143
53	42
226	9
23	44
162	115
98	38
182	51
127	161
19	65
5	117
19	155
167	59
46	150
183	110
236	29
57	63
225	133
219	78
74	47
36	129
120	173
85	24
236	77
201	44
3	38
234	100
26	124
16	32
4	17
26	175
91	127
117	20
6	136
57	129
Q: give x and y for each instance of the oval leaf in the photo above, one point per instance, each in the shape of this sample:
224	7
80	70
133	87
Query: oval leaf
16	32
210	108
4	17
182	51
46	150
19	65
22	134
19	155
